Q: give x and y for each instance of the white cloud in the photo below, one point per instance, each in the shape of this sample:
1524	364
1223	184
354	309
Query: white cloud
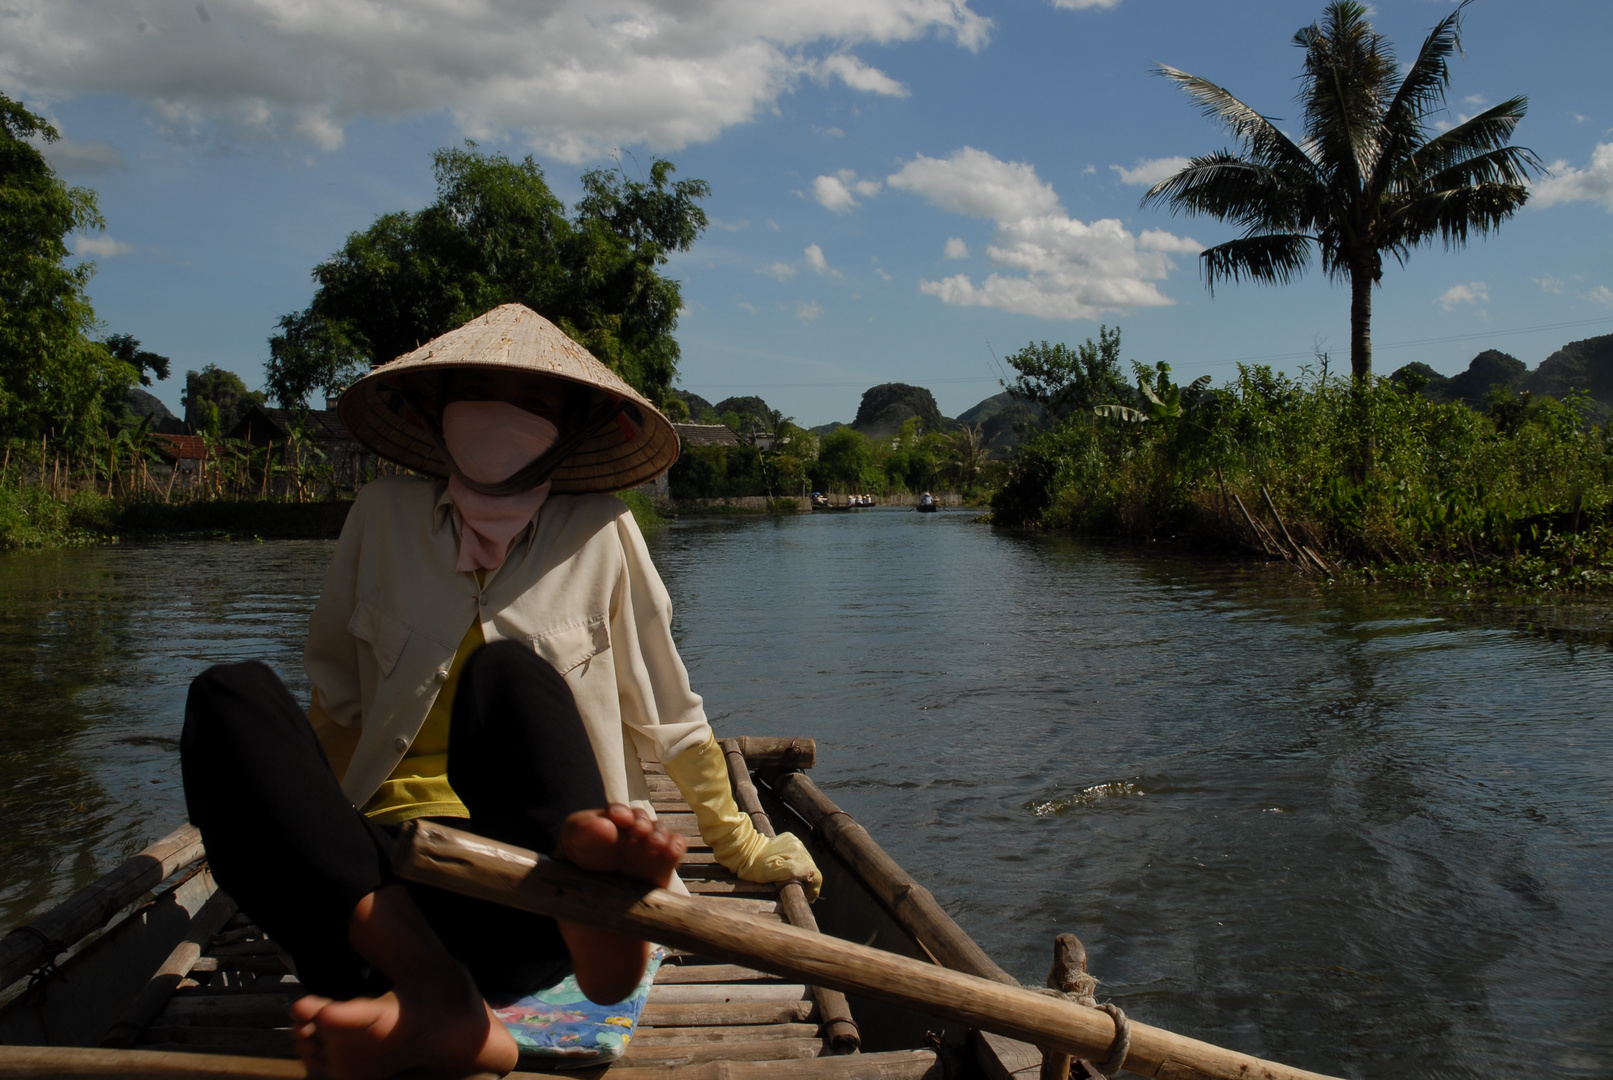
816	259
1568	184
975	183
807	310
573	78
835	193
858	75
1078	5
95	157
873	260
1553	285
729	226
1602	295
1474	292
956	248
779	271
747	305
102	246
1477	100
1053	265
1149	172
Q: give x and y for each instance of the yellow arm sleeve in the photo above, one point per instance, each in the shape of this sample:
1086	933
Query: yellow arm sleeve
701	773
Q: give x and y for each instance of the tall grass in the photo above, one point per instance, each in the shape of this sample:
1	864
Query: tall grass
1378	478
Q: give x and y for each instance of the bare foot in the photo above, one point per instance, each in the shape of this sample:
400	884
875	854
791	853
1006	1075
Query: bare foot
433	1019
616	840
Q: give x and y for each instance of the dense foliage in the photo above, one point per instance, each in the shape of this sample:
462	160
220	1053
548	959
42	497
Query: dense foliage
215	400
1365	179
1521	488
54	378
843	460
496	234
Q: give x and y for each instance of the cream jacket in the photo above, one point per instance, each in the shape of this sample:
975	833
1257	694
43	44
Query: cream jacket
578	587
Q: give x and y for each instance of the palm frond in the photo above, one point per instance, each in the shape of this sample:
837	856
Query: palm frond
1451	214
1258	134
1272	258
1421	92
1235	189
1349	72
1474	140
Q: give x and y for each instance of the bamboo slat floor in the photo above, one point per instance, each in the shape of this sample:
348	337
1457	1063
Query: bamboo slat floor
700	1015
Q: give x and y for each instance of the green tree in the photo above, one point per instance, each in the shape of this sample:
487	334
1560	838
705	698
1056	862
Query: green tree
1365	179
215	400
53	378
1066	381
494	235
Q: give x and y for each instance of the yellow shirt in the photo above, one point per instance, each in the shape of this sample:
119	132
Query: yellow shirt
419	786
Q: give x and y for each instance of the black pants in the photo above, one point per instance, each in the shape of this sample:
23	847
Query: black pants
288	846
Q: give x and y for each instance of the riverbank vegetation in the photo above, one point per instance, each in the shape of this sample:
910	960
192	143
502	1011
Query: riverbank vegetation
1362	476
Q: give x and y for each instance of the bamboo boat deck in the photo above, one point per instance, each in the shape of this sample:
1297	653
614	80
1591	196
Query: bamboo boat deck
722	1019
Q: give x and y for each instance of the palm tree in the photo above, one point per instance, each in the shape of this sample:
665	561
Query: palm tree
1365	179
967	455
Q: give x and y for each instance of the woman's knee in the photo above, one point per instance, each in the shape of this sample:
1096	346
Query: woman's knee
511	664
232	703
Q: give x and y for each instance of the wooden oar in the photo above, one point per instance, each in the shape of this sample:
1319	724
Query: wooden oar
459	861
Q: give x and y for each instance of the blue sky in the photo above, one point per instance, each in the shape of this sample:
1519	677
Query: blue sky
903	190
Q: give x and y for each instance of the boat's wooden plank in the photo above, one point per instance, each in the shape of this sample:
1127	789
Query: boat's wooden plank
732	1013
744	904
269	984
642	1052
714	887
726	1034
694	993
154	995
268	1042
81	1063
262	965
894	1065
672	974
261	947
227	1010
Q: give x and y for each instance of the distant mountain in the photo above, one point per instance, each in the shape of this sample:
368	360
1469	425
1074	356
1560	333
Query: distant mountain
1586	366
999	417
745	406
886	407
699	408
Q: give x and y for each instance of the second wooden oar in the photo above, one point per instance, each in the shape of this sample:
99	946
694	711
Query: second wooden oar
459	861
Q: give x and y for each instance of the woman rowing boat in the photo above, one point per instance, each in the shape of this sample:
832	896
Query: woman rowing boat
492	644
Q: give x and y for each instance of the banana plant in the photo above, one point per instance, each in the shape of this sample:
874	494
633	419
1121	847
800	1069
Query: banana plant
1161	398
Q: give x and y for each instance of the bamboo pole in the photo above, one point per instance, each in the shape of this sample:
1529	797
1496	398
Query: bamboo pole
1298	554
79	1063
838	1026
770	752
154	995
54	932
1254	528
447	858
911	904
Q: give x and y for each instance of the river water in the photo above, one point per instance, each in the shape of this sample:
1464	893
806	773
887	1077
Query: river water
1358	831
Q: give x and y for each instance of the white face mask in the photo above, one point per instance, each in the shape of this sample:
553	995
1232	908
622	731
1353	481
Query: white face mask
491	440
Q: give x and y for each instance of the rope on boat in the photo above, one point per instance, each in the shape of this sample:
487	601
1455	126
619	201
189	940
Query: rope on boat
1083	991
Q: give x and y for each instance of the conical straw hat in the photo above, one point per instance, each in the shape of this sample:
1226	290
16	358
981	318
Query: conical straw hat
380	412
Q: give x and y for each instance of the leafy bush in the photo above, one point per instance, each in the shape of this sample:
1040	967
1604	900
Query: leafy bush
1379	475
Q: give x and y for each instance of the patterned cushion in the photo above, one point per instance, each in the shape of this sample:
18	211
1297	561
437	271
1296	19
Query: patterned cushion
559	1028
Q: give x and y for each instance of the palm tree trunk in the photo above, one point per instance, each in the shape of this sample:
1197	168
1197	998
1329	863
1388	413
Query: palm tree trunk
1360	322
